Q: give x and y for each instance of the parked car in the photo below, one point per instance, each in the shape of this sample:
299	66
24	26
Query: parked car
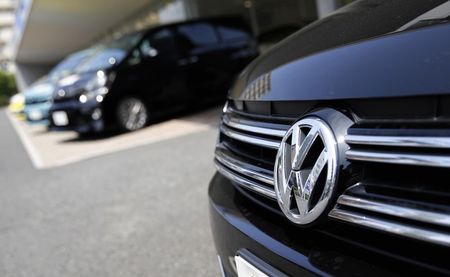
38	96
16	105
333	155
152	73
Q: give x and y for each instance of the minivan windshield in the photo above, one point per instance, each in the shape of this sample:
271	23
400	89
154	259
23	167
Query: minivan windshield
69	65
110	54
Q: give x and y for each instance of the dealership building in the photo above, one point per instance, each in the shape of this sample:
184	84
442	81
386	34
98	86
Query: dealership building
7	16
45	31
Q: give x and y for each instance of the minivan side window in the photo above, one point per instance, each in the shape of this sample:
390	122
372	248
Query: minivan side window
232	34
198	34
160	44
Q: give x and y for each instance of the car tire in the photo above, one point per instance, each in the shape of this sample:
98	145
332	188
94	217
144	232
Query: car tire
132	114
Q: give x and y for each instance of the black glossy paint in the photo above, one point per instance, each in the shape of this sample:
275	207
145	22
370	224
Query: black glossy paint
186	71
410	63
358	21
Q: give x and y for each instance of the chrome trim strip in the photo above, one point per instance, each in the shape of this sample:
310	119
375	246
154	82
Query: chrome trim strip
429	142
244	182
399	158
379	207
391	227
250	139
237	124
242	168
222	270
289	120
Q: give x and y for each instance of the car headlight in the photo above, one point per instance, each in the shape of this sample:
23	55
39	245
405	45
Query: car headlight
95	88
97	94
17	99
97	82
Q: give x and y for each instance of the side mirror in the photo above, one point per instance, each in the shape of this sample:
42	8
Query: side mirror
151	53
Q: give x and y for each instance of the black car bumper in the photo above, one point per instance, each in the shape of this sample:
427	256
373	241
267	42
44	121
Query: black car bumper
240	225
82	118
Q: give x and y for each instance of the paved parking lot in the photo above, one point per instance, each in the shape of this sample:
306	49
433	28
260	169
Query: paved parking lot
50	149
127	205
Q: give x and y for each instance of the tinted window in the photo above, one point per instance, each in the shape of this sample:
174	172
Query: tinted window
103	60
230	33
110	53
69	64
160	43
198	34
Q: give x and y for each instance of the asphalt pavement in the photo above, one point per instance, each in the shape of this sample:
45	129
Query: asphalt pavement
139	211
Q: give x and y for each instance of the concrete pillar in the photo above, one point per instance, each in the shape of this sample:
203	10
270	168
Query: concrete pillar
26	74
191	7
325	7
250	6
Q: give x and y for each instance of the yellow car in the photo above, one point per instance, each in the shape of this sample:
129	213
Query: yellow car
17	105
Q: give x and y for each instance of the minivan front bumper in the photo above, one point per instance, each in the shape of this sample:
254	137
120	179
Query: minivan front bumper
240	225
82	118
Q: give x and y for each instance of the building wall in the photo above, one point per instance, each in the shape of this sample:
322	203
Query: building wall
7	20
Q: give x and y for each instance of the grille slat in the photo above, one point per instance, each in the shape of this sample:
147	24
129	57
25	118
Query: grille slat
246	182
399	141
243	168
402	186
395	210
398	158
246	151
256	127
252	139
390	226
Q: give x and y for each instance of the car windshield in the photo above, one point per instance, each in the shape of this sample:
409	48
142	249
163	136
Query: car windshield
110	54
69	65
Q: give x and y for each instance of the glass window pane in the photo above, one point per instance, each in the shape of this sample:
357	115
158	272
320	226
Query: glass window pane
199	34
228	33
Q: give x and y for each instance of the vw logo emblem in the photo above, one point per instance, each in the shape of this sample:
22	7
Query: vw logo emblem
306	170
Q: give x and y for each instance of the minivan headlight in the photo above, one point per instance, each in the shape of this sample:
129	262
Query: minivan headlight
97	94
99	81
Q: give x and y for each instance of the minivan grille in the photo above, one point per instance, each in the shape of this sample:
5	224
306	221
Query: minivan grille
246	151
404	188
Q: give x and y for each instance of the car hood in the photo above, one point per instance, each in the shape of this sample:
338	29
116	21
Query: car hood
73	85
410	63
42	91
358	21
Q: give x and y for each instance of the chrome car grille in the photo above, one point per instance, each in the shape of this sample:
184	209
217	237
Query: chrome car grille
246	150
404	187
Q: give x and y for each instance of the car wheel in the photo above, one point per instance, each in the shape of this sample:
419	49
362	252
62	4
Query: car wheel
131	114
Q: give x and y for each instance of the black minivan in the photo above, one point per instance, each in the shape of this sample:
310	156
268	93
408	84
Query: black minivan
153	73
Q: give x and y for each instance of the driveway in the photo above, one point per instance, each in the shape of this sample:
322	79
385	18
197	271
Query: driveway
129	205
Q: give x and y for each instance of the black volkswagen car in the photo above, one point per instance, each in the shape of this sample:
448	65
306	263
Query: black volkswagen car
334	150
149	74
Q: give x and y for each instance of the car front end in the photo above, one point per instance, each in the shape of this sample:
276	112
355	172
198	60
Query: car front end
336	162
17	105
38	102
78	103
